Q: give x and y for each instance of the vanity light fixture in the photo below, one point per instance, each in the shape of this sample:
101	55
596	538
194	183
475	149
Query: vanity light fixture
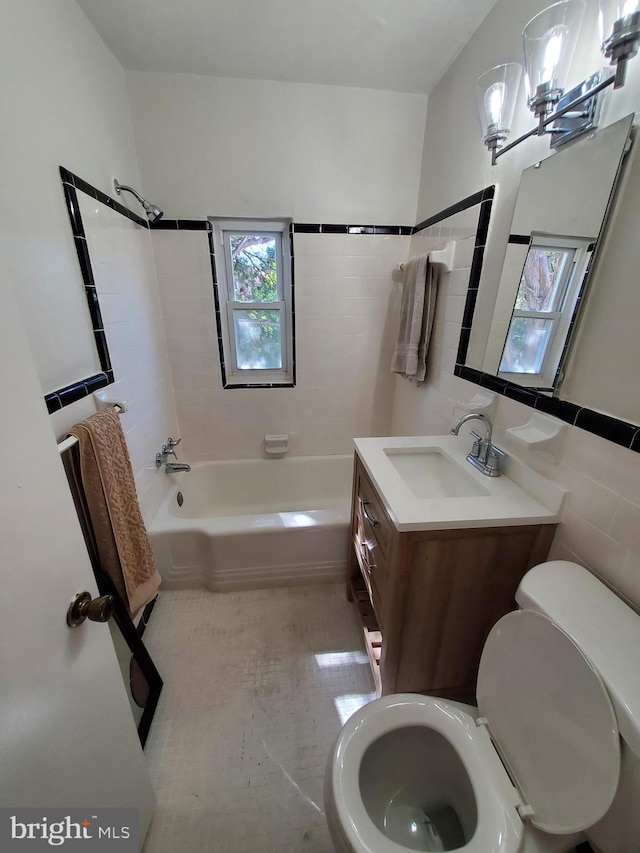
620	31
496	92
549	41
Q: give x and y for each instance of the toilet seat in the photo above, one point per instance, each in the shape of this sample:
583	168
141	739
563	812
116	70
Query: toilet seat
551	720
544	711
496	798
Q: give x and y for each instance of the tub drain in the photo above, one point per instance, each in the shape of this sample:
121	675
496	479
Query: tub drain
180	498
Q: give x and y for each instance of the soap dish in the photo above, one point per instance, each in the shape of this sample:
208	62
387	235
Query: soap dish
539	433
276	445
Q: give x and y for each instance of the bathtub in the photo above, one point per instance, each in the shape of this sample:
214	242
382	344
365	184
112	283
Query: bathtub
255	523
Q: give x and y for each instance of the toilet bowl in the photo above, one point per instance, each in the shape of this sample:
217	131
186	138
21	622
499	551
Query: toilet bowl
536	764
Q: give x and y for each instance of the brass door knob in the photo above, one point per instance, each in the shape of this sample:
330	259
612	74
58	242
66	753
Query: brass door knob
84	607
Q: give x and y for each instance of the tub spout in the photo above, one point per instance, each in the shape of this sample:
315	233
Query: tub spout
176	467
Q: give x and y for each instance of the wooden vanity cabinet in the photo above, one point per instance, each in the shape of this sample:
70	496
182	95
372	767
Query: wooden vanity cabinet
428	599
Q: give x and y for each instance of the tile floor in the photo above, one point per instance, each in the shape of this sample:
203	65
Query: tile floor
256	687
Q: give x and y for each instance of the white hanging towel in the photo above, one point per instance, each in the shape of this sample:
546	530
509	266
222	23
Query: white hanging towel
416	318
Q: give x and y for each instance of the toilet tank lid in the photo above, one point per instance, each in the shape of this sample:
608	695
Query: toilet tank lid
603	626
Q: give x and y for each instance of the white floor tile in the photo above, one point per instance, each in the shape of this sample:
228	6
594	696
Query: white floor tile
256	687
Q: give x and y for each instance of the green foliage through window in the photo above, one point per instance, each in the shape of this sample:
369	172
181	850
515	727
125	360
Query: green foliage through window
253	261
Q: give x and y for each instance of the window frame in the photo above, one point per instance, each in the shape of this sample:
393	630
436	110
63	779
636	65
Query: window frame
565	300
234	376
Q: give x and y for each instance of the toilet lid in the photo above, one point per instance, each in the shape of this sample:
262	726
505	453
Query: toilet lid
551	720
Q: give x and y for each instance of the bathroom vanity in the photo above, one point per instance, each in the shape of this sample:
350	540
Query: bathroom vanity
437	552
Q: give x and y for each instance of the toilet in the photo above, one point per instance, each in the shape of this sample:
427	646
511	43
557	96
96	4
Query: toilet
551	756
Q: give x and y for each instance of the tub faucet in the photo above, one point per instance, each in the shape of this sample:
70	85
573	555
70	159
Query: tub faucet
175	467
484	455
168	450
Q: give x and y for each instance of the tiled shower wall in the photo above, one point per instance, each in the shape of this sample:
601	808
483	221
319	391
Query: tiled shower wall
124	272
601	523
345	308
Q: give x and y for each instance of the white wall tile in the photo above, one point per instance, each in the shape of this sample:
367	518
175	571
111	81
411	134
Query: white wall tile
346	314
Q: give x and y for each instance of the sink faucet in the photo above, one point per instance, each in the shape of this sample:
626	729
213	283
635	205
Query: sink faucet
484	455
168	450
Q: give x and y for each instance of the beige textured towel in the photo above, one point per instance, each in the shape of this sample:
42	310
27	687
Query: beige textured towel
417	310
122	543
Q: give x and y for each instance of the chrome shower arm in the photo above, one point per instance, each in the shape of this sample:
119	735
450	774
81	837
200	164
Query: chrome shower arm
119	187
153	213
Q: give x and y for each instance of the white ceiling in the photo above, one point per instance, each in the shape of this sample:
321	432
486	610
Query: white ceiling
399	45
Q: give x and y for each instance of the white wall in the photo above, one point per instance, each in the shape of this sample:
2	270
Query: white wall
602	520
64	102
125	276
216	146
346	321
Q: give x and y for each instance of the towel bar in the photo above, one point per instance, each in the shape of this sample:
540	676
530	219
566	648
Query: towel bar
70	440
444	257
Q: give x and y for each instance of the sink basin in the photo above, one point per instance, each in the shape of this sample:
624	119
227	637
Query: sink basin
426	483
431	474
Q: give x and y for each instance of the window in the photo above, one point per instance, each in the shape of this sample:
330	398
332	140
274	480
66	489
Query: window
253	266
553	271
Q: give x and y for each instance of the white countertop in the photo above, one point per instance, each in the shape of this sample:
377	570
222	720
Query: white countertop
520	496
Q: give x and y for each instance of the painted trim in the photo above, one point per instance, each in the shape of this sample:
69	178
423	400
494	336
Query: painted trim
214	277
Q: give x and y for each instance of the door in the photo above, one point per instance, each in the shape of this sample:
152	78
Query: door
67	735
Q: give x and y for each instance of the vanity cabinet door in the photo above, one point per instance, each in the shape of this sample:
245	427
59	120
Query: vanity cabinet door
459	583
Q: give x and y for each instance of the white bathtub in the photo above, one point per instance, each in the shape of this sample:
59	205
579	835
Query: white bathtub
255	523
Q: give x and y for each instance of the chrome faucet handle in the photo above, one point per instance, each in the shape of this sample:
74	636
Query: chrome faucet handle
173	442
477	444
492	461
167	450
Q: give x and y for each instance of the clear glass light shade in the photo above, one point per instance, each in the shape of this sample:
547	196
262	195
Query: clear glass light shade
496	93
616	16
549	41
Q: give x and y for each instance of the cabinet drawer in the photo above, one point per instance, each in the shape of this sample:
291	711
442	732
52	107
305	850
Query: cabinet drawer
374	570
372	516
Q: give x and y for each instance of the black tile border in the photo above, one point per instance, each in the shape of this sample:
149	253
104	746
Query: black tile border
353	230
298	227
486	194
612	429
71	185
179	225
72	393
77	183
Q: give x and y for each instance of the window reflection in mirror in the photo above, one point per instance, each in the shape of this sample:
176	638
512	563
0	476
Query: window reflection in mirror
560	211
552	278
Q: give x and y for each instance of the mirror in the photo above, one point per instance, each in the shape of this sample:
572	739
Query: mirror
545	334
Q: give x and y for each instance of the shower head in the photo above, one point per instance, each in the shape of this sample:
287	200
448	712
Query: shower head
153	213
